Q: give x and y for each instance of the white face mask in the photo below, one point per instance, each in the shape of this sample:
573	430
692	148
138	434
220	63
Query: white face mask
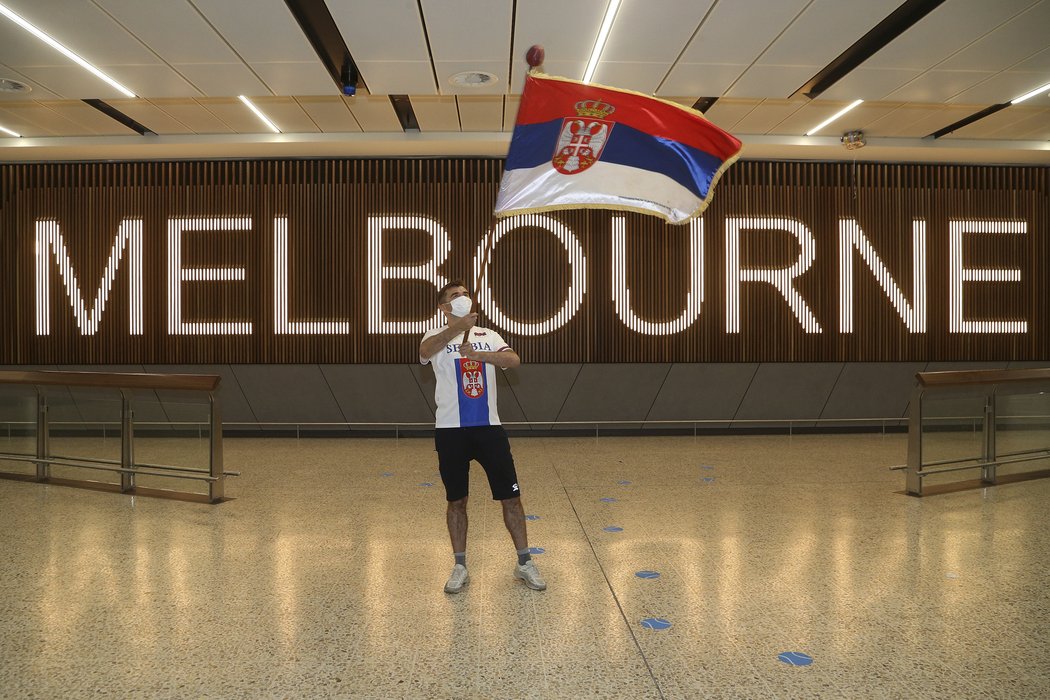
461	306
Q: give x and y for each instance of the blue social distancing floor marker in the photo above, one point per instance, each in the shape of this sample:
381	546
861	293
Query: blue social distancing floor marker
388	473
706	466
624	482
655	623
647	574
708	479
532	517
795	658
607	500
536	550
426	483
613	528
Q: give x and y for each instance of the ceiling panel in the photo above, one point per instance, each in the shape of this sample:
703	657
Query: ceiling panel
1003	120
817	111
727	112
286	113
150	116
89	118
566	31
39	92
262	30
330	114
824	30
1002	88
82	27
1038	63
71	82
775	81
223	79
944	31
938	85
193	115
31	119
436	113
630	40
938	119
701	79
870	83
398	77
767	115
1006	45
298	78
1035	127
146	81
640	77
235	114
401	37
731	34
469	30
480	113
172	28
373	113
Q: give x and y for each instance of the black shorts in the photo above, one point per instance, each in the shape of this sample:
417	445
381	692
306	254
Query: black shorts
488	445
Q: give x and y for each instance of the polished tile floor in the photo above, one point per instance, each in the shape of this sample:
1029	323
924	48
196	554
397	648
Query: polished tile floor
323	578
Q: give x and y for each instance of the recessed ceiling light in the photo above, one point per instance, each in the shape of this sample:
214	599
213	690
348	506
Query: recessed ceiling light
8	85
599	44
12	133
472	79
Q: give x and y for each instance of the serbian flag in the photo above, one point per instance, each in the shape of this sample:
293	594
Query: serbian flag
586	146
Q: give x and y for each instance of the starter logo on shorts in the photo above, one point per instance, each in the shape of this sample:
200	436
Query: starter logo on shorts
470	372
581	141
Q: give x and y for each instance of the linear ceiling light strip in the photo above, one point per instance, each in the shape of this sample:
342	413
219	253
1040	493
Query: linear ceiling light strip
12	133
603	35
262	117
833	117
53	43
899	21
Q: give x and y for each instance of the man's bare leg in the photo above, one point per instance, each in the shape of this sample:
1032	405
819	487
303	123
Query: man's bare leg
514	519
456	516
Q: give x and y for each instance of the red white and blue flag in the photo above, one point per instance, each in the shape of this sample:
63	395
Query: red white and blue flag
586	146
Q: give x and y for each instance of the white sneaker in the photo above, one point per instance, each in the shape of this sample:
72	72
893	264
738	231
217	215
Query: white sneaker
457	580
528	573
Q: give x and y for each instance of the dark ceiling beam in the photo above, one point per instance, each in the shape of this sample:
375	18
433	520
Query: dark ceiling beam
898	22
323	34
405	114
114	113
704	103
966	121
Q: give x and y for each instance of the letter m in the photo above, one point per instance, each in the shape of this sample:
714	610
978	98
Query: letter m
49	243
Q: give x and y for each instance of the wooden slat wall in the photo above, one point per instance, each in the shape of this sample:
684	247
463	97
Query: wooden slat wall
327	204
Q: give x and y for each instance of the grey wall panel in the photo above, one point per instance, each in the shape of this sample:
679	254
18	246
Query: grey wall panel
510	410
541	390
424	376
709	391
185	407
872	390
378	393
788	391
289	394
614	392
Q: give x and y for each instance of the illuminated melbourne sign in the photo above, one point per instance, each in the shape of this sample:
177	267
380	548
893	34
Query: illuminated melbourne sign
749	281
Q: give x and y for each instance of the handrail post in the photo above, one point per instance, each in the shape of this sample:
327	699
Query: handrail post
216	487
913	479
127	444
43	438
988	455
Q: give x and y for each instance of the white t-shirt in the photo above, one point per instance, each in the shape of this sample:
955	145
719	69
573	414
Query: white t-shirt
466	389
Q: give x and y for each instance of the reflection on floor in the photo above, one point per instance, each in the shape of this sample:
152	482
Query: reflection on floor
323	578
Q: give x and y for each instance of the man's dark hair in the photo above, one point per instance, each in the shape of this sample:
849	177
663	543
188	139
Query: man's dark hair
444	290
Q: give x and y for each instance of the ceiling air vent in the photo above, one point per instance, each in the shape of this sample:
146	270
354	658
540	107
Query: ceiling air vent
472	79
13	86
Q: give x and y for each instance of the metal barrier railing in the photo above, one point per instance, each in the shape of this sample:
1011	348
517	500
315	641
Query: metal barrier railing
127	467
989	386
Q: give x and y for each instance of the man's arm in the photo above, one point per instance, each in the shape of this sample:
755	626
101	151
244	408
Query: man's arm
505	358
432	345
